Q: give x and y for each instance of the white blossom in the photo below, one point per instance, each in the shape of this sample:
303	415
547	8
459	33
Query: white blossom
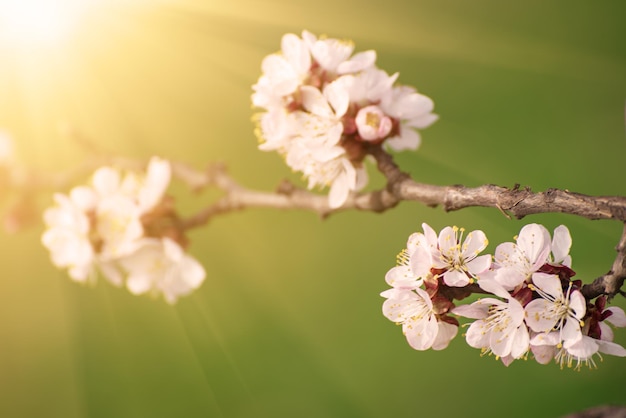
500	327
322	106
413	309
160	266
556	310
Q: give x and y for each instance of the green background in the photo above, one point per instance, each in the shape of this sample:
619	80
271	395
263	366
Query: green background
288	322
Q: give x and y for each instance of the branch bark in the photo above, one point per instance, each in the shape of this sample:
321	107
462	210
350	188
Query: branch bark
512	202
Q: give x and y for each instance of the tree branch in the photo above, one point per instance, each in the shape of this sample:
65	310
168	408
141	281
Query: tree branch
517	202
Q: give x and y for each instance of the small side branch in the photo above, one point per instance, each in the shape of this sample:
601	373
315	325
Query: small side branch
610	283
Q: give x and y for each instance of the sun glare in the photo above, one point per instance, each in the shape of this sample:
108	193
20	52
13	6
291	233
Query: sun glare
38	22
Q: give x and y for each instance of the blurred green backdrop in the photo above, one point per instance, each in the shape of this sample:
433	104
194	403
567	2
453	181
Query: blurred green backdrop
288	322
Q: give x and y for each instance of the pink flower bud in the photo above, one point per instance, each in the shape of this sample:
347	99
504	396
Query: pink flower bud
372	123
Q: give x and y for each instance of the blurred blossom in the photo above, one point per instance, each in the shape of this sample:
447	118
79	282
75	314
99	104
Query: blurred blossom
323	106
7	151
117	226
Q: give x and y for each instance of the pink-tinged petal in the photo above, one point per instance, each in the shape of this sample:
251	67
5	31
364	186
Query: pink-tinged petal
421	262
416	239
507	360
549	283
424	297
617	318
509	277
543	354
474	244
447	240
314	101
606	333
611	348
431	236
395	309
445	334
501	340
402	277
398	294
477	335
479	265
477	310
545	339
358	62
455	278
561	243
534	241
583	348
507	254
578	304
536	318
421	333
521	342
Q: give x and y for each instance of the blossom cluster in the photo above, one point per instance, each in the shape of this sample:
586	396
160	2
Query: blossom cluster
324	106
534	305
123	226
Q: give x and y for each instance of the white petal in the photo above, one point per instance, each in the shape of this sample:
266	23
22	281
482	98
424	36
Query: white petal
455	278
479	265
339	192
337	94
492	286
584	348
578	304
475	243
520	342
536	317
606	333
477	335
543	354
409	139
401	277
477	310
509	277
106	181
617	318
421	333
314	101
157	180
561	243
358	62
420	262
611	348
296	53
534	241
445	334
549	283
422	121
